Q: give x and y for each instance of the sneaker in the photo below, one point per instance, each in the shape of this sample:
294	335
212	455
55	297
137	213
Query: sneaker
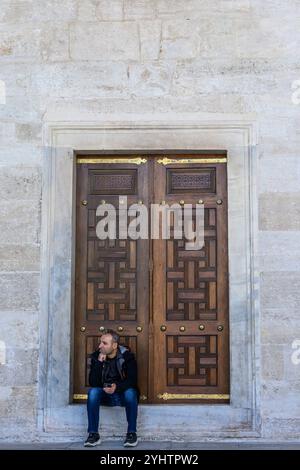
92	440
131	439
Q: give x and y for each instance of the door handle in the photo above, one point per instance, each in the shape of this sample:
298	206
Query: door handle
120	328
139	329
163	328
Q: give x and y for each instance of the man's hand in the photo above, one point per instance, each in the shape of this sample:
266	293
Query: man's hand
110	390
101	357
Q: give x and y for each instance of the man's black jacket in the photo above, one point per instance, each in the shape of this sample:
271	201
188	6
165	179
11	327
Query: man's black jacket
127	368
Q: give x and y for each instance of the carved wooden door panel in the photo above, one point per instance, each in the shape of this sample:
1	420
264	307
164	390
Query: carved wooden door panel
112	276
190	314
168	303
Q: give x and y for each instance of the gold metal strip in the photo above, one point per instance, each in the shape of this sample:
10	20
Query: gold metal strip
77	396
143	397
134	160
192	396
172	396
167	161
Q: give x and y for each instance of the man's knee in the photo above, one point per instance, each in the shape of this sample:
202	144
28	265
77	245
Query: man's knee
94	393
130	395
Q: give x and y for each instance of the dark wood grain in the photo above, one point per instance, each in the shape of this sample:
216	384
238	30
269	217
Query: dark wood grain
150	283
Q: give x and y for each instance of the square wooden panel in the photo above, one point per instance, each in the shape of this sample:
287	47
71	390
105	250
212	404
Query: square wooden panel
192	360
112	280
112	181
193	180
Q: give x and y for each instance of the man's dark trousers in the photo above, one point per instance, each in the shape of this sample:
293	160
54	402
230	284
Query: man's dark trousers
97	397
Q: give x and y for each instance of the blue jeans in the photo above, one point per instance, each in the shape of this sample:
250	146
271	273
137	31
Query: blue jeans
97	397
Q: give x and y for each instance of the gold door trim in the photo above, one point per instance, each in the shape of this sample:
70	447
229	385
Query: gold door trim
192	396
173	396
134	160
78	396
140	160
167	161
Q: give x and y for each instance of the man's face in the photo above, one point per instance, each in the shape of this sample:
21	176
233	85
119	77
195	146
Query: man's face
107	345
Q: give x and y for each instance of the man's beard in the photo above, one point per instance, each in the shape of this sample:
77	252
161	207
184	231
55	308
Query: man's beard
103	352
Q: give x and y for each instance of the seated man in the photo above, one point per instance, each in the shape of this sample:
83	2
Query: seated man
113	378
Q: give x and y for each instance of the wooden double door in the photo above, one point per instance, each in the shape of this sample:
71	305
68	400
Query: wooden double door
169	303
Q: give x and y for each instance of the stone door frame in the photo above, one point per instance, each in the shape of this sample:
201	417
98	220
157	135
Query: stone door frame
62	140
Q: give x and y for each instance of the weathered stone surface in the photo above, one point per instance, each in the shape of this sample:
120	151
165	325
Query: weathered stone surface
191	7
150	80
54	43
180	40
279	251
21	154
276	329
7	133
107	41
275	429
74	61
280	290
20	221
20	368
283	178
19	330
150	39
19	291
287	394
20	257
136	9
269	37
23	11
20	44
102	80
21	182
20	405
107	10
273	363
279	211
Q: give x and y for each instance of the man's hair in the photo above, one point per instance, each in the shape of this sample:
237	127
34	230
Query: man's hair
113	334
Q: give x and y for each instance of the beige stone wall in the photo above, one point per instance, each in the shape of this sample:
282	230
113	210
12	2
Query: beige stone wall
62	59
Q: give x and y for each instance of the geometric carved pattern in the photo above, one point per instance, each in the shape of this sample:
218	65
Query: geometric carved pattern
193	180
112	182
192	360
111	263
117	273
111	286
92	343
192	275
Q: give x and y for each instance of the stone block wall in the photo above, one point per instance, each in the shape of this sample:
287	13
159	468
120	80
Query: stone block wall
62	60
